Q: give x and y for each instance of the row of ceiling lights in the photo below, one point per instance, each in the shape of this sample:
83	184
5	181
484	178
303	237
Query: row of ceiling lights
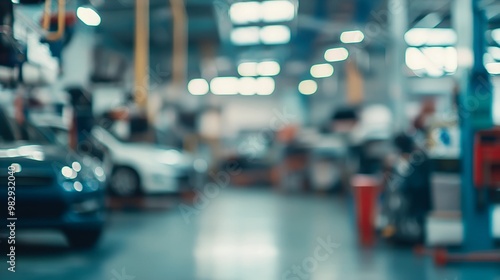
267	12
492	57
431	51
325	70
233	86
248	85
256	76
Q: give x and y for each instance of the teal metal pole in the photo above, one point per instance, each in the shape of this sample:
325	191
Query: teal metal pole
470	24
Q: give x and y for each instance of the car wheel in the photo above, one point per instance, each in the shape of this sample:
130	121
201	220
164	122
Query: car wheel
124	182
83	239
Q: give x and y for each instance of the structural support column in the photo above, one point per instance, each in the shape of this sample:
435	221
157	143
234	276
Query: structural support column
475	89
179	55
398	25
141	55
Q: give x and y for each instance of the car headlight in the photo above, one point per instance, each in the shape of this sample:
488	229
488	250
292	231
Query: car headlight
77	180
69	173
81	185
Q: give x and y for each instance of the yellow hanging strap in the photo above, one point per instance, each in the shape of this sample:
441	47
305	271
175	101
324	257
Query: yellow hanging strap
61	20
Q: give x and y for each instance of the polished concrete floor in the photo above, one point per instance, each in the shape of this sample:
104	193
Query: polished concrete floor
237	234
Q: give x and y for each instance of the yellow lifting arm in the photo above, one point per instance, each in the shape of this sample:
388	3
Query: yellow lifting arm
61	20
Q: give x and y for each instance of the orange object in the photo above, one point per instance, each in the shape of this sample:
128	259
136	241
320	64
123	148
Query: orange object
366	190
287	133
61	20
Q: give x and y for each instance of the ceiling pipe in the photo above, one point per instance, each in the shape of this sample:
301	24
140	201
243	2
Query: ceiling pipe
61	20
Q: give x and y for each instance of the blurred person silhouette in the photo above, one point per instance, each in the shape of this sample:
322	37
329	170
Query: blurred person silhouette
408	192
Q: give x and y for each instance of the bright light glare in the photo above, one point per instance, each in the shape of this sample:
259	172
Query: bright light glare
494	52
76	166
415	59
349	37
267	11
431	37
265	86
433	61
99	171
495	218
253	35
322	70
245	36
493	68
275	34
88	16
308	87
198	87
170	157
268	68
247	69
336	54
247	86
495	34
245	12
224	85
278	10
68	172
78	186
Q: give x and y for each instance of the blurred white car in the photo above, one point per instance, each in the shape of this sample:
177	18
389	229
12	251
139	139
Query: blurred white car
143	168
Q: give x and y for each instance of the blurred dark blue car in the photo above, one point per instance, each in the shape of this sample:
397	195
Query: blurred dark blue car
54	187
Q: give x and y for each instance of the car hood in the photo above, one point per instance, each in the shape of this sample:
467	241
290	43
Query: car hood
34	155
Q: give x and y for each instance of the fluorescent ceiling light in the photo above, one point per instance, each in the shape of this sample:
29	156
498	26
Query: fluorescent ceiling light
88	16
308	87
488	58
336	54
253	35
265	86
279	10
350	37
451	59
268	68
494	52
322	70
275	34
495	34
245	35
493	68
198	87
267	11
415	59
431	37
247	86
434	61
224	85
245	12
248	69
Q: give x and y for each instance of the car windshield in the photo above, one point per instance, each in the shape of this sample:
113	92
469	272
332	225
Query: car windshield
11	131
56	135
